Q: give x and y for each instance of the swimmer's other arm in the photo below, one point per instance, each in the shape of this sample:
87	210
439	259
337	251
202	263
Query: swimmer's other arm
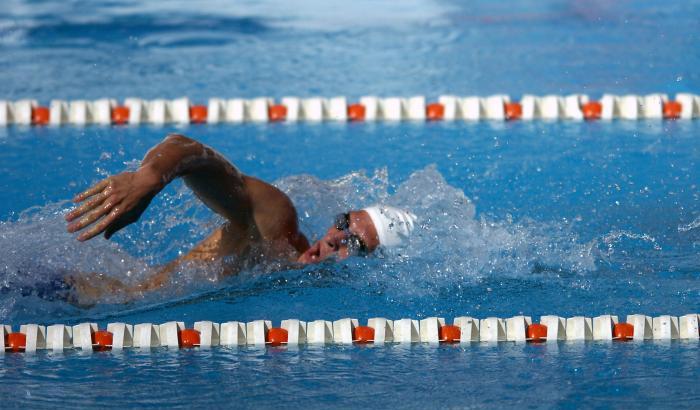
255	211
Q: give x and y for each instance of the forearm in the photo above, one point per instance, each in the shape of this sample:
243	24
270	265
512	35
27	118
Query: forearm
89	289
157	280
119	200
217	245
180	156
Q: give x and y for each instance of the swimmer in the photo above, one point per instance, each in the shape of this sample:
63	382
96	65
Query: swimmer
261	221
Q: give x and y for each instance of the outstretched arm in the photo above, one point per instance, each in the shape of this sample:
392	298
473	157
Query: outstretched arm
120	200
253	208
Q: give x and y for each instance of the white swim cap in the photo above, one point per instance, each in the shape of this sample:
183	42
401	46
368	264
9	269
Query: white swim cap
392	224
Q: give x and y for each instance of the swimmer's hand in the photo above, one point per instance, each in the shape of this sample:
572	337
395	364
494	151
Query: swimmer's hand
113	203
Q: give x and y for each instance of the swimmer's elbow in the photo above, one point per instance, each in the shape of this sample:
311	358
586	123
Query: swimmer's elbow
179	139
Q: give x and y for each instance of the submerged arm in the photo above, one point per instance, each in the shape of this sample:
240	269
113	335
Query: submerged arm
90	288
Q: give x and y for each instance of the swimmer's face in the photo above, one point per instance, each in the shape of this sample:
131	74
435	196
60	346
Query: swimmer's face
342	240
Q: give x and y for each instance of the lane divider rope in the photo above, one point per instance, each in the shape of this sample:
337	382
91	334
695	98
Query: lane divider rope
499	107
433	330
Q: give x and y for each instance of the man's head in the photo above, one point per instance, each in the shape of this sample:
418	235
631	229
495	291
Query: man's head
361	232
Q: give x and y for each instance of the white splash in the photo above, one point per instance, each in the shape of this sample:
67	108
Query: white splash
451	246
689	227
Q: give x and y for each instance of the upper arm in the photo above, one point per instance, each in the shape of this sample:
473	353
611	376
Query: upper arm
212	178
245	201
274	214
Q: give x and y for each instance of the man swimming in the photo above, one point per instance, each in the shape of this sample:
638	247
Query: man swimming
261	221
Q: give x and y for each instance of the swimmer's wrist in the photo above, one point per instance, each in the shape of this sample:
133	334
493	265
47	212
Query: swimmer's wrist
150	178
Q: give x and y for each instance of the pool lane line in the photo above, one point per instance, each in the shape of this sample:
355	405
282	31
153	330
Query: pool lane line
347	331
135	111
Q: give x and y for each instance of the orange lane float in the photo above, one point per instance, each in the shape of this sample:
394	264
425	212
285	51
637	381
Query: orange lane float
672	110
15	342
277	113
356	112
277	336
189	338
449	334
120	115
40	115
363	335
435	112
513	111
536	333
102	340
592	110
198	114
623	331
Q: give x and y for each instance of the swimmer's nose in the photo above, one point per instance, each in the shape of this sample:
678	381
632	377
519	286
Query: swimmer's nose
312	255
330	246
331	243
325	249
321	250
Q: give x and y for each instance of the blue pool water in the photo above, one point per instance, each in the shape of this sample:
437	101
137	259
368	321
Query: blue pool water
532	218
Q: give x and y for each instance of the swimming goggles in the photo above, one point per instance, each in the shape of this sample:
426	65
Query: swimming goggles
355	245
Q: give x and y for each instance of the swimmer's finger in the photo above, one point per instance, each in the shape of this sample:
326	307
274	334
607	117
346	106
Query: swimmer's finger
92	191
89	218
116	226
100	226
87	206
